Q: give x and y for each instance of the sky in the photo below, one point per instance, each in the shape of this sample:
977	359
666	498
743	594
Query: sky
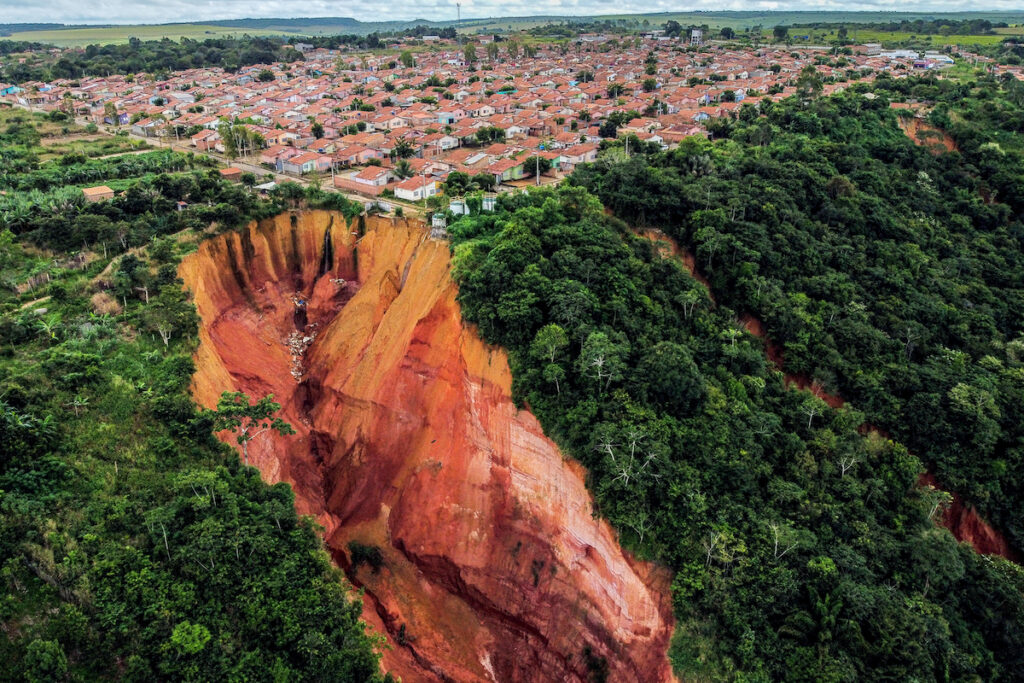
160	11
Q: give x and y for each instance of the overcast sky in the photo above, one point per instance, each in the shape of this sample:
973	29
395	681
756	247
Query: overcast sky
159	11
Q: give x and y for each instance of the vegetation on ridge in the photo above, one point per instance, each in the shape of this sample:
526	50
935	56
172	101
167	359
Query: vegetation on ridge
132	543
802	549
891	273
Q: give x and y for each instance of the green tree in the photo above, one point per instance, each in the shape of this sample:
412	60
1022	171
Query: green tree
406	59
189	639
602	360
403	149
808	84
549	342
45	662
248	420
403	169
536	165
169	314
110	113
485	181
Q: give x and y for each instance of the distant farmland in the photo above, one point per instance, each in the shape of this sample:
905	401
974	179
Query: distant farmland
78	37
739	21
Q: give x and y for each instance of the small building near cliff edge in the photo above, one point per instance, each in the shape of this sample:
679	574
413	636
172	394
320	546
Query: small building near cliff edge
415	189
231	173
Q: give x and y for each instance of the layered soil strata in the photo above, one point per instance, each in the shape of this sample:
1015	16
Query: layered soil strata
493	565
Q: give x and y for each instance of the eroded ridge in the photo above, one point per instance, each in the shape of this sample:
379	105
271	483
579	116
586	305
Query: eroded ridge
494	567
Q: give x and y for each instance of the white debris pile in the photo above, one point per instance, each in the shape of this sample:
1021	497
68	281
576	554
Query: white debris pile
297	343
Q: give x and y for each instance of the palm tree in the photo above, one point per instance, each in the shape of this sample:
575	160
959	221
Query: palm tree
403	149
403	169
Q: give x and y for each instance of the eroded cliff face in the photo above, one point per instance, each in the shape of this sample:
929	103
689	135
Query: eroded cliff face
968	526
494	566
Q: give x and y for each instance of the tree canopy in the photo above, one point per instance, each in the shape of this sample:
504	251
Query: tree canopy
802	549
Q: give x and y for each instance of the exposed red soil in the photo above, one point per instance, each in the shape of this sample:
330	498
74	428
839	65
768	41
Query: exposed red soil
927	135
495	568
668	247
961	519
968	526
774	353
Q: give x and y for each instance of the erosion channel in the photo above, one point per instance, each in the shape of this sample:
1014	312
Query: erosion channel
494	567
961	519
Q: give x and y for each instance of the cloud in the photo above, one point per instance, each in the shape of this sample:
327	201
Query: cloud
160	11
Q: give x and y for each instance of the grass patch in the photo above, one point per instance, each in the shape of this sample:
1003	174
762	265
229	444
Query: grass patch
78	37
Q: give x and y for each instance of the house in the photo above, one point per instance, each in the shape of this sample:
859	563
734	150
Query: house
450	115
374	176
355	155
122	118
479	111
205	140
506	169
231	173
436	144
98	193
272	155
416	188
280	137
306	162
146	127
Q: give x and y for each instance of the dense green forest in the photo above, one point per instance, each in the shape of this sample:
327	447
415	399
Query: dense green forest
802	549
132	543
888	273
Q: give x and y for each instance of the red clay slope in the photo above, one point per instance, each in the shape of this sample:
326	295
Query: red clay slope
494	566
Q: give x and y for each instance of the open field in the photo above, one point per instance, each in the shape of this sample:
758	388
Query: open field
97	145
887	37
58	138
742	20
77	37
739	20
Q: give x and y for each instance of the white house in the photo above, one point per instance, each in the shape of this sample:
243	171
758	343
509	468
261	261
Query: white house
374	176
416	188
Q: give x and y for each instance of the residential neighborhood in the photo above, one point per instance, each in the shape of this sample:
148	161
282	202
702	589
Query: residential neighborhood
368	124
